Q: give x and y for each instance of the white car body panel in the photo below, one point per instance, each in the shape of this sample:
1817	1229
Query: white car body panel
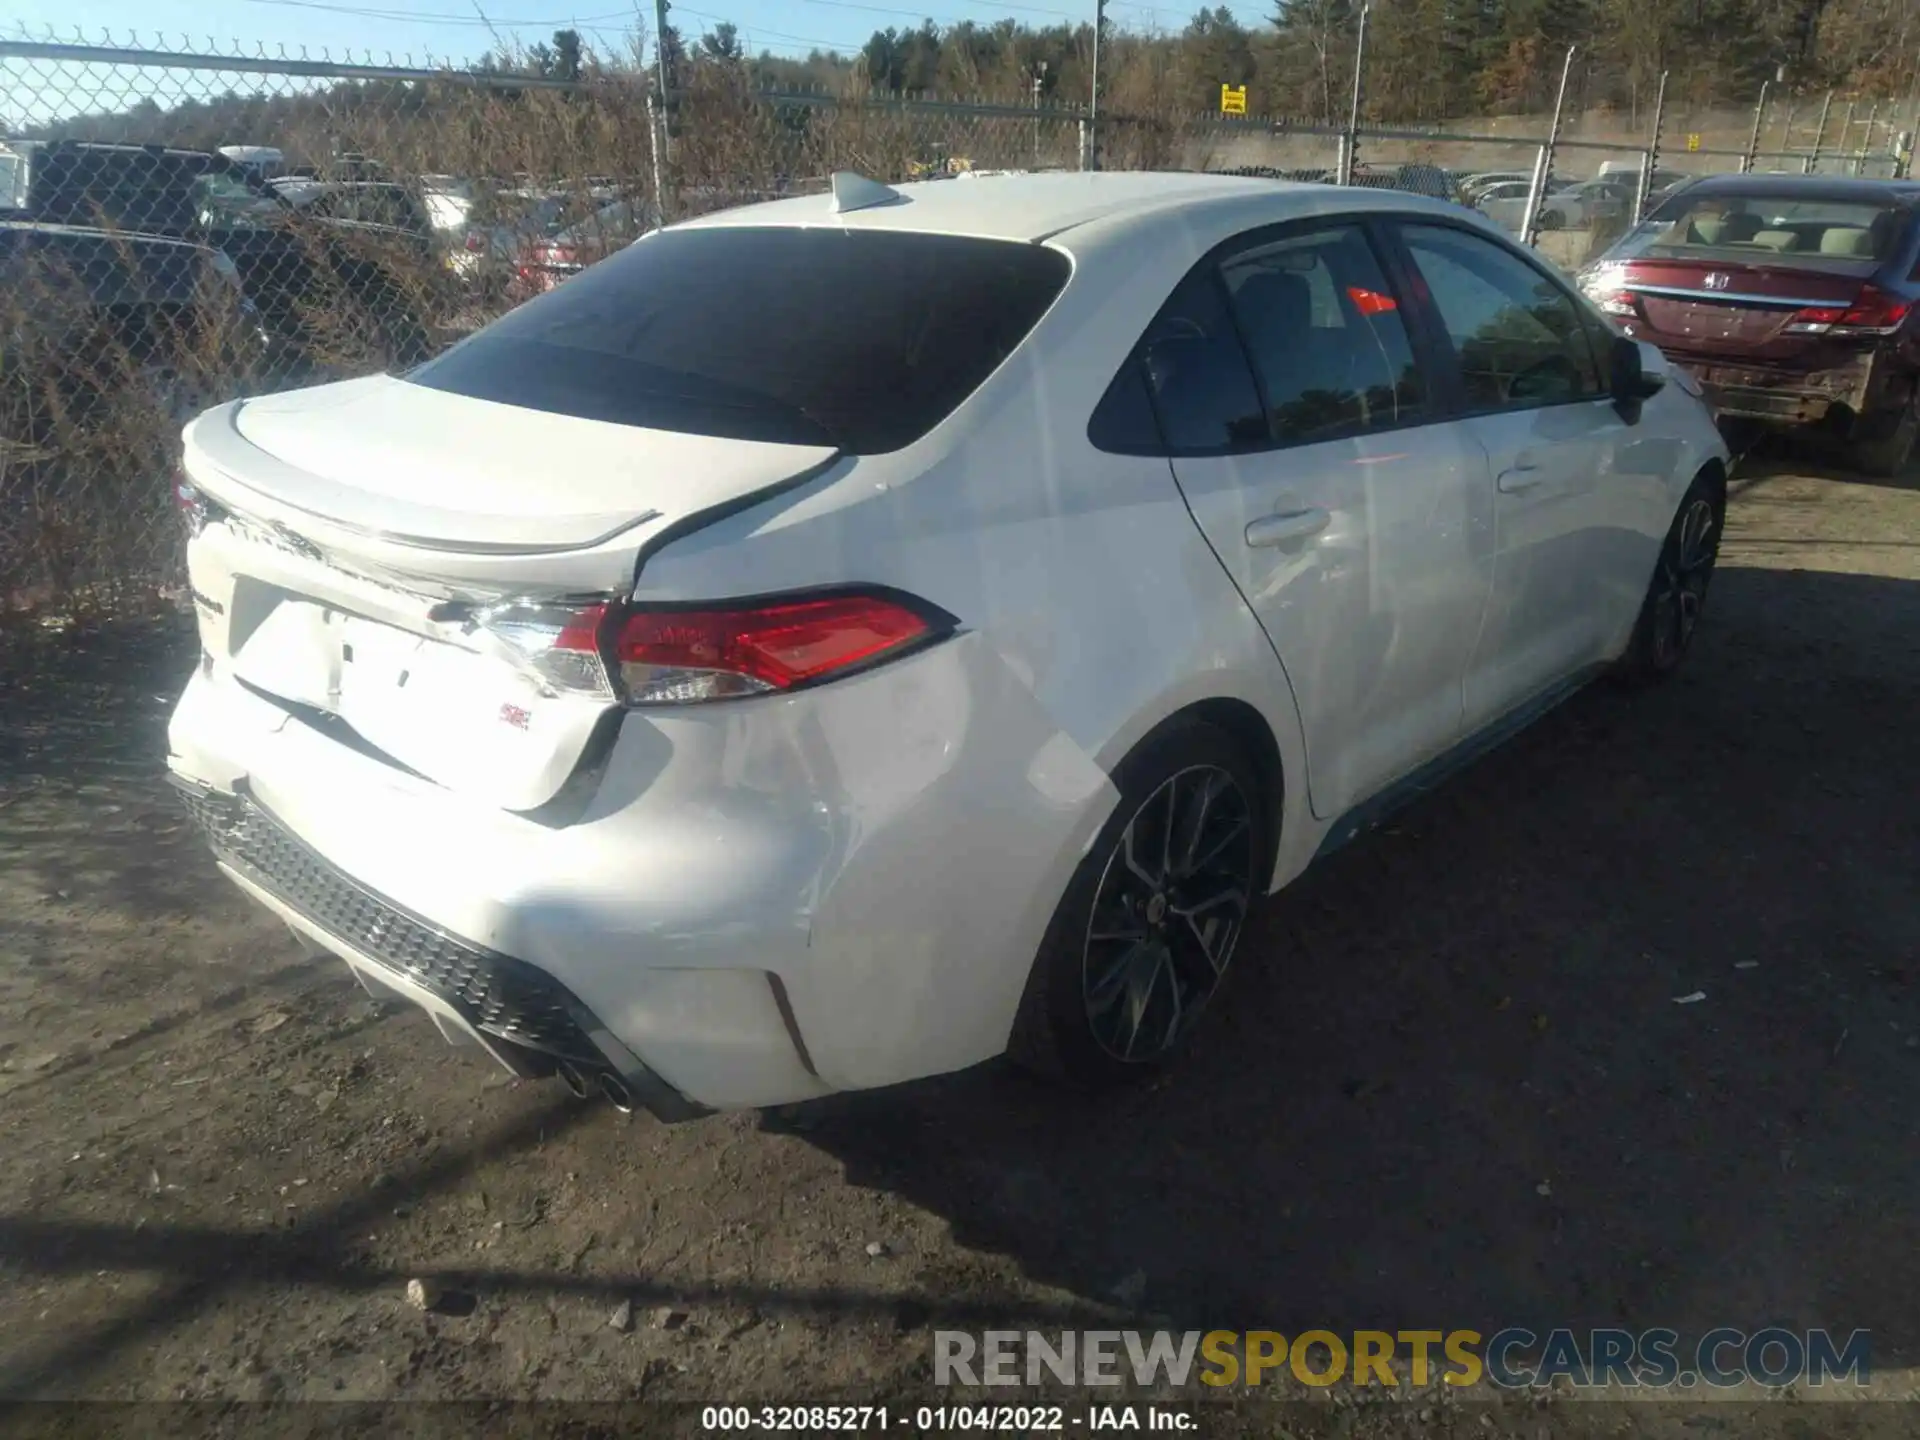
771	898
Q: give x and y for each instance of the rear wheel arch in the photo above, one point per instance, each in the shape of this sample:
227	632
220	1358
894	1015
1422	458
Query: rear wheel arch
1714	472
1248	729
1055	1031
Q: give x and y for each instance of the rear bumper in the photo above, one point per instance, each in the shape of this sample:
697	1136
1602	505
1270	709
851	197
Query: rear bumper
1786	397
762	903
523	1017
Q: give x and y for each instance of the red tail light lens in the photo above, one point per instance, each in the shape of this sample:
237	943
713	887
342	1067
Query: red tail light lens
195	509
677	656
680	655
1873	312
475	243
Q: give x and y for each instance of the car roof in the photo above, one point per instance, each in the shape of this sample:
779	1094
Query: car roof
1009	206
1810	187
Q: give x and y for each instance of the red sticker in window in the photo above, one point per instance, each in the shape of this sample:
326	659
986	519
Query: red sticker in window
1371	302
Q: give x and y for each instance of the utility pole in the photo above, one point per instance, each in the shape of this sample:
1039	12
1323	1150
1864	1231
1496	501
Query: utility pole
1039	85
661	155
660	8
1093	98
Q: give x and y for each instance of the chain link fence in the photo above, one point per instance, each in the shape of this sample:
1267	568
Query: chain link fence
180	228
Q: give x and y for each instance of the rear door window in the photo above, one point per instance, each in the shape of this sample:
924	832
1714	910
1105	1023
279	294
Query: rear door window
1197	372
1325	334
863	339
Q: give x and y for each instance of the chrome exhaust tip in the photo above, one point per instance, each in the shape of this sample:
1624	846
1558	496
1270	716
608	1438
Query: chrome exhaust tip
616	1091
575	1082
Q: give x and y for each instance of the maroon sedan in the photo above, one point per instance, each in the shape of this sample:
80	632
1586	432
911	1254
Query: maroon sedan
1792	298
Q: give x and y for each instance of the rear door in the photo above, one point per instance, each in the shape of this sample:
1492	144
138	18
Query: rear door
1312	452
1568	515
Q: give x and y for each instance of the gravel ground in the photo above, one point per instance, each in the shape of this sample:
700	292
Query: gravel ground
1450	1088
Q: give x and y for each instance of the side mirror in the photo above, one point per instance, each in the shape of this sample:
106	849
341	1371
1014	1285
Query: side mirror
1630	382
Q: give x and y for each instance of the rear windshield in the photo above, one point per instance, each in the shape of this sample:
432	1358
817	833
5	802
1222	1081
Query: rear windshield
1850	236
864	340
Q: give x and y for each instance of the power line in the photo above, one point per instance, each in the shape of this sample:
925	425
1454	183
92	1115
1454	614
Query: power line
439	17
813	40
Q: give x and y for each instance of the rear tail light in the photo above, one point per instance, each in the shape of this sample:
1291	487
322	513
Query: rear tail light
1874	312
684	654
194	507
475	243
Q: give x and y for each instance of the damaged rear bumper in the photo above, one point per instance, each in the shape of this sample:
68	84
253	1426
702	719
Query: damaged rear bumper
1789	397
519	1014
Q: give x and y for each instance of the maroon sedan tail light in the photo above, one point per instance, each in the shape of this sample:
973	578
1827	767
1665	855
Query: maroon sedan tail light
1873	312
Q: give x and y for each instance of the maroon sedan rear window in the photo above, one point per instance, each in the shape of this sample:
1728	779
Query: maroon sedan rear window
1771	230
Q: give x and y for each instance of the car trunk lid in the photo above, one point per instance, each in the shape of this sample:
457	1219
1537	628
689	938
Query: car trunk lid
1708	310
380	559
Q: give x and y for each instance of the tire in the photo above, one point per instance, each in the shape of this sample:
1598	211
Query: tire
1552	220
1109	1004
1678	590
1887	447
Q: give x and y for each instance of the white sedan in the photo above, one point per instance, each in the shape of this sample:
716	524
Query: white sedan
1573	207
844	639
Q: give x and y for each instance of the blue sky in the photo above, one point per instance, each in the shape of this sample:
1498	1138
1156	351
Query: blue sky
454	29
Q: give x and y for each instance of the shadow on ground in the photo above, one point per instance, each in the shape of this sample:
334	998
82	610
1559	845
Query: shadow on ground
83	718
1456	1084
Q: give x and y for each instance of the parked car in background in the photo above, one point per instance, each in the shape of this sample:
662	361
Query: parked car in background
449	202
546	261
380	205
1792	298
1473	186
1571	207
1505	203
86	313
296	263
841	640
1414	179
502	226
265	161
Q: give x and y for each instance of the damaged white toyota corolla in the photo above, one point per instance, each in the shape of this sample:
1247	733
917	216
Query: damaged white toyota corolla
841	640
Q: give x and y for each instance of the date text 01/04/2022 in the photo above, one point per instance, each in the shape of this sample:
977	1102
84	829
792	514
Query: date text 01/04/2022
1022	1419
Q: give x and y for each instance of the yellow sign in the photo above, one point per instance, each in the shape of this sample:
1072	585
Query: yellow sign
1233	99
1693	142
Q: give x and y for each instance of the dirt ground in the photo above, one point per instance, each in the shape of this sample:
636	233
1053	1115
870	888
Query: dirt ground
1450	1088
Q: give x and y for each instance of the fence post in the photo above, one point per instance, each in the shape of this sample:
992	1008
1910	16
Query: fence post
1543	168
1866	141
1650	157
1349	142
1903	162
1753	140
1846	129
1812	161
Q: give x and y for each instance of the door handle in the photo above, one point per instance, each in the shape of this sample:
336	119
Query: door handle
1520	477
1287	525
